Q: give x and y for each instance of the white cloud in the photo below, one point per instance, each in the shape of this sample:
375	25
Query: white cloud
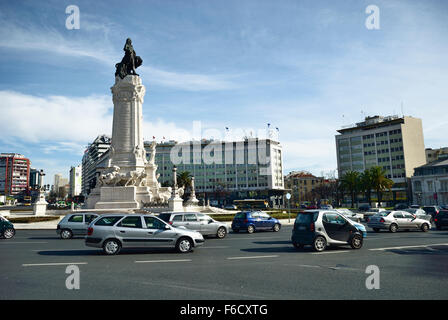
67	124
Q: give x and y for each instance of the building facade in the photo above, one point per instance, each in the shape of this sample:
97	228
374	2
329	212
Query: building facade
75	181
35	179
433	154
225	171
430	182
14	174
394	143
94	159
302	184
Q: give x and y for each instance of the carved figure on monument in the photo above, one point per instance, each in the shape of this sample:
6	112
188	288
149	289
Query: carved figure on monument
130	61
152	147
110	176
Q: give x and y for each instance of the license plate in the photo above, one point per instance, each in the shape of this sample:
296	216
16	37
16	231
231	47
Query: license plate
302	228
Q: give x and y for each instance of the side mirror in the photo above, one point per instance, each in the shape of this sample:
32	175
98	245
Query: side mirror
167	227
210	221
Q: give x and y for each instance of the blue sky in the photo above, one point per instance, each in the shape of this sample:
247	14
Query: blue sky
307	67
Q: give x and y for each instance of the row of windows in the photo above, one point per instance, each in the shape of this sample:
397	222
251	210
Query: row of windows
399	157
386	159
396	149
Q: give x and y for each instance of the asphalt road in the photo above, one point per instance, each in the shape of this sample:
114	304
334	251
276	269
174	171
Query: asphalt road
264	265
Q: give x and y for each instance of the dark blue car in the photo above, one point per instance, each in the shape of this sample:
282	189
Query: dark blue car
253	221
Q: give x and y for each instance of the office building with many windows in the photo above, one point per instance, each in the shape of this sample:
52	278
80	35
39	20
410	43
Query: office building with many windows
14	174
394	143
225	171
93	161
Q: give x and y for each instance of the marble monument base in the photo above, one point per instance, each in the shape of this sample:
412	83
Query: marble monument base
129	197
176	204
40	208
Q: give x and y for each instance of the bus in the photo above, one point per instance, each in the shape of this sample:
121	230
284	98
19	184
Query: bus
251	204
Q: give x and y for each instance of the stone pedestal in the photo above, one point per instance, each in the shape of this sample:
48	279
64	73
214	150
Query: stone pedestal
175	205
118	197
40	206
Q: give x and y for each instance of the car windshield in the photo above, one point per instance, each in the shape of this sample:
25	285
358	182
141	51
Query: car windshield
411	210
307	217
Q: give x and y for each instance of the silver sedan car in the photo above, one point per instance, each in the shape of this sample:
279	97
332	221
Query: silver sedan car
196	221
395	220
112	232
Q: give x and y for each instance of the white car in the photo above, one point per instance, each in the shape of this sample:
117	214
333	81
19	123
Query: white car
397	220
357	217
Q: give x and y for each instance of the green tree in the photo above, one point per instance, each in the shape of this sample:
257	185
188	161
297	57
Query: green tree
366	184
380	182
351	183
184	179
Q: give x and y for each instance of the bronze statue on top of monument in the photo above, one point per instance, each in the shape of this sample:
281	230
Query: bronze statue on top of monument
130	61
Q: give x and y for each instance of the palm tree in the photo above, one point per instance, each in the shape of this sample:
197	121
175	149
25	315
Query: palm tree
380	182
350	182
184	179
367	184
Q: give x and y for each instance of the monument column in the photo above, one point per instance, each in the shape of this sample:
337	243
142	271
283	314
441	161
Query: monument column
127	150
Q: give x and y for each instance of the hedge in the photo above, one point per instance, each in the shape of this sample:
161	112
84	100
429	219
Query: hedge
32	219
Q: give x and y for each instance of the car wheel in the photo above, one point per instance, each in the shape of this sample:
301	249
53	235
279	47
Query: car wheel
221	233
184	245
9	233
66	234
393	228
356	242
250	229
276	227
424	227
376	229
111	247
319	244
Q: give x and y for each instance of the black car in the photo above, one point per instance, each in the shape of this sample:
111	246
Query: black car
432	210
7	230
441	219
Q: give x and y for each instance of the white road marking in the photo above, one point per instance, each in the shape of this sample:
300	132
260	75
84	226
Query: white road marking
157	261
331	252
308	266
406	247
51	264
216	247
252	257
